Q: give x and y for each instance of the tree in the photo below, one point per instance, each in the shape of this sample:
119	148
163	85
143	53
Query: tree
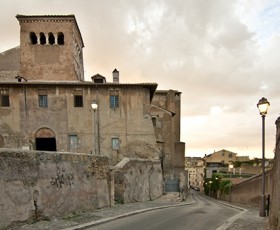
225	186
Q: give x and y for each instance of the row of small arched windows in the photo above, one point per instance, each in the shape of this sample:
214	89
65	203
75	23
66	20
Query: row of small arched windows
50	39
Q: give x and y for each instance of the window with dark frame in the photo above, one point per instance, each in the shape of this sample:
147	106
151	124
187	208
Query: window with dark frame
78	101
78	98
43	98
5	99
114	101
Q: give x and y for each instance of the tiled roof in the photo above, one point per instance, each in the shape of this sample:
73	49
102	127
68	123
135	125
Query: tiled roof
9	60
8	76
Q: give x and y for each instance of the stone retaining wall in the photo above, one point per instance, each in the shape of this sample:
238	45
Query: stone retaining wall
274	217
36	185
138	180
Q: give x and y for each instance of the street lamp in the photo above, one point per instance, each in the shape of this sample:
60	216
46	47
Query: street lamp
94	107
263	106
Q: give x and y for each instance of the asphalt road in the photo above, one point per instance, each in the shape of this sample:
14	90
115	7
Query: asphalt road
204	214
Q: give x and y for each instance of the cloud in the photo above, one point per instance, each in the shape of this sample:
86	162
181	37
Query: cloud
222	56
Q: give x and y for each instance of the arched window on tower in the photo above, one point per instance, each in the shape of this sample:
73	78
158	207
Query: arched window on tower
42	39
60	38
51	38
33	38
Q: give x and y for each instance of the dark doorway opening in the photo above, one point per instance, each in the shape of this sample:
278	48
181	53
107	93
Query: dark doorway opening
46	144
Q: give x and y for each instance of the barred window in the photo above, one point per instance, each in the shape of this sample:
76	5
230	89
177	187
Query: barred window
5	99
78	98
43	98
114	101
78	101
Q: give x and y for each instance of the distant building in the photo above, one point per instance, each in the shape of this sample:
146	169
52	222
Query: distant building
223	156
242	158
196	170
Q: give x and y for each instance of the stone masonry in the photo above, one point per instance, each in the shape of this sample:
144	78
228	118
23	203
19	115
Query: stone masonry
274	217
35	185
138	180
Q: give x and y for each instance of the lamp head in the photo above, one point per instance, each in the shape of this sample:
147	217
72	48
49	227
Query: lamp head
94	105
263	106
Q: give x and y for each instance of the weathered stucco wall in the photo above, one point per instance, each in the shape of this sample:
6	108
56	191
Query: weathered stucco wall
129	122
274	217
166	109
137	180
50	184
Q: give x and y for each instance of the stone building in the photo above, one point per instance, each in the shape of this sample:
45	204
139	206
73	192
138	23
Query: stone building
166	117
46	104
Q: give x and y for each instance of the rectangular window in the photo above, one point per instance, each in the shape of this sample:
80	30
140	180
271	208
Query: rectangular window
5	99
230	155
78	101
43	98
115	143
73	141
114	101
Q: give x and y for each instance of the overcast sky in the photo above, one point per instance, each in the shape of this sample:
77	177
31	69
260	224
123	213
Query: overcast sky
222	55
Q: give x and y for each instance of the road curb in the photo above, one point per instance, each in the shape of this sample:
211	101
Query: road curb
231	220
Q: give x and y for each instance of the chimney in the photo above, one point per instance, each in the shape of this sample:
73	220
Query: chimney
116	76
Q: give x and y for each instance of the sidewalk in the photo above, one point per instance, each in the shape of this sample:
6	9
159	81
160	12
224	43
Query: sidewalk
247	219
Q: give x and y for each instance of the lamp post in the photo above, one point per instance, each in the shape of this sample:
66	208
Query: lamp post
94	107
263	106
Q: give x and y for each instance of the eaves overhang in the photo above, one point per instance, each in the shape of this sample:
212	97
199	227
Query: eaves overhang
150	86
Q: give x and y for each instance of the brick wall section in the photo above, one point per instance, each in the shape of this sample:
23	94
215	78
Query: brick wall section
138	180
57	183
274	217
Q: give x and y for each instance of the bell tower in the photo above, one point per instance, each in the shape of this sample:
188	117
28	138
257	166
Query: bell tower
50	48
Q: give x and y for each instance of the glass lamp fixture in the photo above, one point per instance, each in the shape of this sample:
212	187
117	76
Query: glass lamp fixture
94	105
263	106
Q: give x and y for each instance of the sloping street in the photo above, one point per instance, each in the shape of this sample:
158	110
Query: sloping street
204	213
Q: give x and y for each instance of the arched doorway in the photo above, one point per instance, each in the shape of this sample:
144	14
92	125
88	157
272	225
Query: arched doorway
45	140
